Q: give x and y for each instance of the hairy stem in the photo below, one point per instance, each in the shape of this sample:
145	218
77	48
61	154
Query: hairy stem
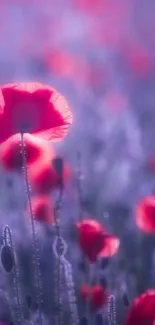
90	280
58	299
16	283
58	254
79	187
35	245
71	291
111	310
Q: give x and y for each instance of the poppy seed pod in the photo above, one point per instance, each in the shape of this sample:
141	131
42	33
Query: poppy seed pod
58	166
7	259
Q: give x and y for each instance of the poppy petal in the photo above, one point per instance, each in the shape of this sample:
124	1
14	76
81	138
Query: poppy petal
45	178
1	103
96	295
34	108
145	214
42	209
142	310
110	246
91	238
35	148
99	297
85	291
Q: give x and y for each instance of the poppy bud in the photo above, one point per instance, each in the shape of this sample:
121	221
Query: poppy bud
7	258
58	165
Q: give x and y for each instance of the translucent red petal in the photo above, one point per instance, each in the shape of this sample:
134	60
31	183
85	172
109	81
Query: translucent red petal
142	310
91	238
1	103
45	178
35	148
42	209
34	108
145	214
99	297
110	246
96	295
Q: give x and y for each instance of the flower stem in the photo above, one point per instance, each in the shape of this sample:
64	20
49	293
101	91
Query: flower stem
58	254
35	245
71	291
79	187
16	284
111	310
90	280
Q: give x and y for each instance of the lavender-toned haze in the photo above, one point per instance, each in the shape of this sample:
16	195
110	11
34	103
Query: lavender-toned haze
100	55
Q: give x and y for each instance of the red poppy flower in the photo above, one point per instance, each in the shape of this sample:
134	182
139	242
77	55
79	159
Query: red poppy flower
142	311
137	59
35	148
140	63
1	103
34	108
150	164
42	209
85	291
115	102
110	246
62	63
45	178
89	6
91	238
145	214
96	294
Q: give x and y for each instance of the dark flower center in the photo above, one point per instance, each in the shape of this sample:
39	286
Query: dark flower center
26	116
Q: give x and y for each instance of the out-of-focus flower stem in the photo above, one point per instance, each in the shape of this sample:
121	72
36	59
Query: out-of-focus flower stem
16	283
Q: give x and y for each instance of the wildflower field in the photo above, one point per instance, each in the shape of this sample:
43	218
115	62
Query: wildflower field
77	162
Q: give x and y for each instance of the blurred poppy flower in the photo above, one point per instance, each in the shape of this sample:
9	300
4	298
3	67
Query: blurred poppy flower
138	60
115	102
110	247
142	311
62	63
95	241
150	164
90	7
145	214
96	295
35	148
42	209
34	108
46	178
91	238
1	103
85	291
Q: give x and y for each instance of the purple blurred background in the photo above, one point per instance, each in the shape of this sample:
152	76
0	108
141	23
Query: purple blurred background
100	55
